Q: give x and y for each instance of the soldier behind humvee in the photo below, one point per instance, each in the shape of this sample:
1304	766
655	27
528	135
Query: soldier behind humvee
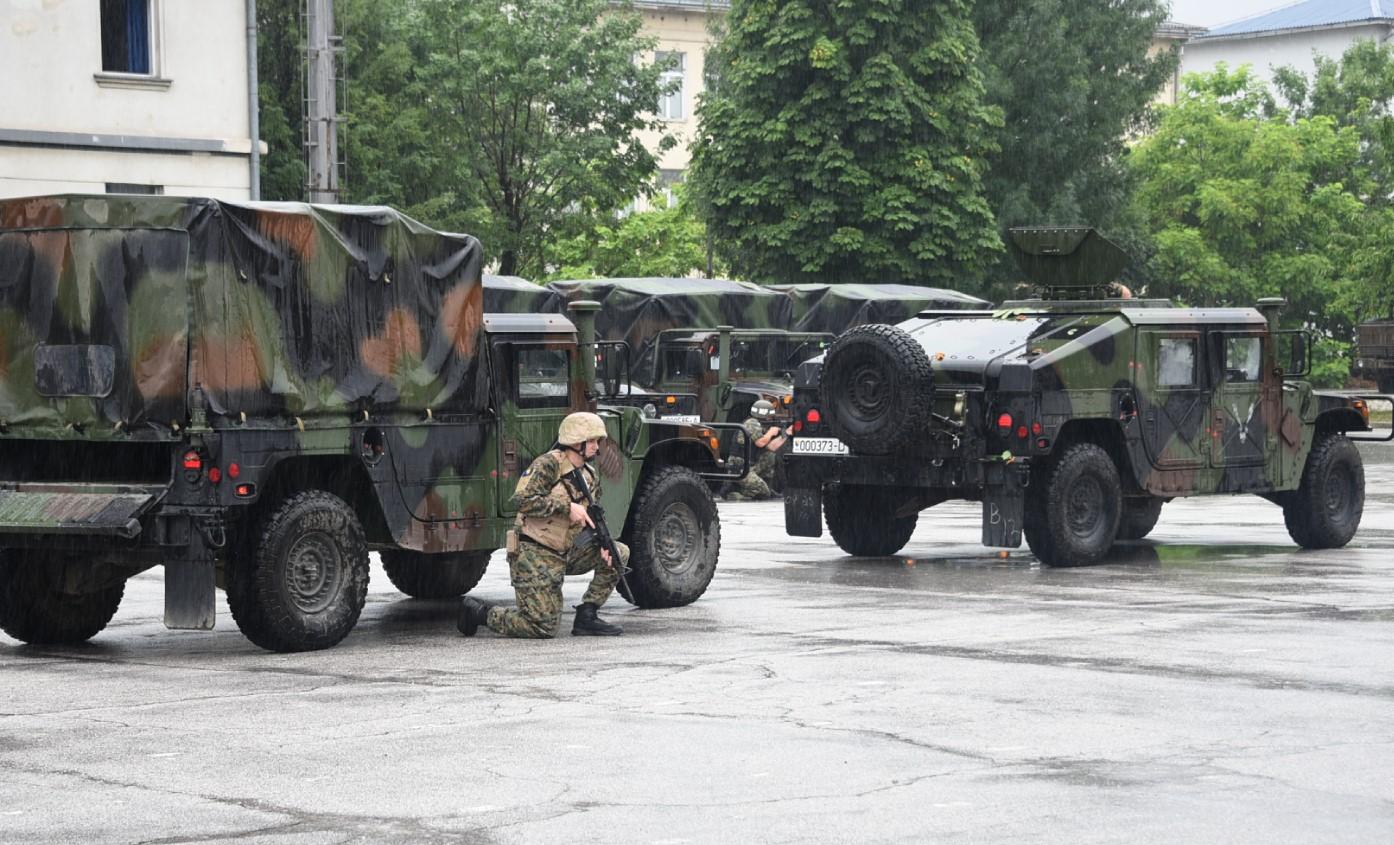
542	548
757	483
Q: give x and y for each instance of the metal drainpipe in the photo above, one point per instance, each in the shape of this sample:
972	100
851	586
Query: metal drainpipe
253	101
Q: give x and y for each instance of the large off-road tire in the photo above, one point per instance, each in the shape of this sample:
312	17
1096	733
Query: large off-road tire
1325	509
674	538
1140	515
877	387
1074	507
434	576
862	519
34	607
303	577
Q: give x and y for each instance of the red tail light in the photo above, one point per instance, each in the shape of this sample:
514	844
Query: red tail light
813	416
215	475
193	461
1035	428
1021	432
233	470
1004	422
798	426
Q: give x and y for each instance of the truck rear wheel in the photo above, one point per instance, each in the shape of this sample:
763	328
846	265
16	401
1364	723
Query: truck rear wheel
438	576
1072	518
862	520
35	608
1140	515
1325	510
876	386
674	538
303	582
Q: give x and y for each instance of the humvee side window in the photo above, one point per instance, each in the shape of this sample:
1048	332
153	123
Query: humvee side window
544	378
682	363
1176	362
1243	358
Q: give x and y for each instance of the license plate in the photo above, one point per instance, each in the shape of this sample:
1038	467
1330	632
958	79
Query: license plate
819	446
689	419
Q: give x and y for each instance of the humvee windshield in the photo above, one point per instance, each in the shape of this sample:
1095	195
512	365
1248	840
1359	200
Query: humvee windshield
772	356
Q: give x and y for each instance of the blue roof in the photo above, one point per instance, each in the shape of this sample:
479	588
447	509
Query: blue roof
1308	14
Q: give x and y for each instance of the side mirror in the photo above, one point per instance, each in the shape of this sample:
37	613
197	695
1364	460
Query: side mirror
1294	353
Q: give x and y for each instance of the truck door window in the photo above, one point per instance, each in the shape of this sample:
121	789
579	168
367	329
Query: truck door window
1243	358
682	362
1176	362
543	377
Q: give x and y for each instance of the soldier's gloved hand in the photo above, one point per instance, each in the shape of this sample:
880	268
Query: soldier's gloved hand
579	515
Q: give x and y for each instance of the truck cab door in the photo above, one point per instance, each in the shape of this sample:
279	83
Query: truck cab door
1244	411
1173	399
536	392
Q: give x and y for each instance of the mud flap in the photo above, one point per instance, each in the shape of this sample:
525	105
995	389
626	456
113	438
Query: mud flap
190	595
803	511
1004	506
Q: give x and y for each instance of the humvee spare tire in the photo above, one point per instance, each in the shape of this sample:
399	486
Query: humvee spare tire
674	537
434	576
35	608
876	388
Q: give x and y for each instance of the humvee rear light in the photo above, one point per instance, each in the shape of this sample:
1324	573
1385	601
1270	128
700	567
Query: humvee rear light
233	470
246	490
193	461
1042	443
798	426
1036	427
813	416
671	400
215	475
1021	432
1004	422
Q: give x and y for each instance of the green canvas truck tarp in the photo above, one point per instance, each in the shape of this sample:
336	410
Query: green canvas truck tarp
113	309
836	308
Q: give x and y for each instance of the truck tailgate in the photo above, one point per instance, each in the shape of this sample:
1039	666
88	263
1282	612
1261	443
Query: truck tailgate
62	509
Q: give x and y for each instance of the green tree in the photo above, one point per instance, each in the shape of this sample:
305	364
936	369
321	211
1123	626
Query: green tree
280	70
1073	80
1244	201
845	141
667	241
536	104
1357	91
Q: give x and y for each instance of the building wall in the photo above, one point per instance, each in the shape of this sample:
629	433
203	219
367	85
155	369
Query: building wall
65	125
679	28
1269	52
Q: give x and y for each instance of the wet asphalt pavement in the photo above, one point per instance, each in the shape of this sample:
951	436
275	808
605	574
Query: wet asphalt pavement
1210	684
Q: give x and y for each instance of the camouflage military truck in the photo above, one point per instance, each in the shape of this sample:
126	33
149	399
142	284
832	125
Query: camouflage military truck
1374	355
1073	418
254	396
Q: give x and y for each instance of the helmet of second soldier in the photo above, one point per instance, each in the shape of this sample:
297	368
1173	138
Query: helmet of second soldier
763	408
579	427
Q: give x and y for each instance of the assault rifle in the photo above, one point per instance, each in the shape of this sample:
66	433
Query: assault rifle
600	534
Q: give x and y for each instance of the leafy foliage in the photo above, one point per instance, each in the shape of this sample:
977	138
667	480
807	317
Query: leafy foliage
845	141
668	241
1072	81
1244	201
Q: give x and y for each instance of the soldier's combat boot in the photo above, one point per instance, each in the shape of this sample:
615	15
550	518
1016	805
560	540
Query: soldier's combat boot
473	613
588	624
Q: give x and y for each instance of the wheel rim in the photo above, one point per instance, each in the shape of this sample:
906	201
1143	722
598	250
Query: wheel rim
677	538
1338	493
1084	508
869	391
314	572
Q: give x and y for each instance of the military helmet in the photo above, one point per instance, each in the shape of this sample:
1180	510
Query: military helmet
762	408
579	427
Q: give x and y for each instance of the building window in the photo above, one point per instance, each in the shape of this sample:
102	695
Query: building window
666	180
126	36
670	103
132	188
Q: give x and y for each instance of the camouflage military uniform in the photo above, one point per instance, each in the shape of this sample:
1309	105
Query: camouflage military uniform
755	485
538	571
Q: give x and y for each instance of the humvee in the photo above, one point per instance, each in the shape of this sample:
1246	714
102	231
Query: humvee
256	395
1374	355
1072	417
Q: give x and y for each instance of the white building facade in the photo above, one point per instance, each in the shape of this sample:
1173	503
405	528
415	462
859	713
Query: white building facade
125	96
1290	36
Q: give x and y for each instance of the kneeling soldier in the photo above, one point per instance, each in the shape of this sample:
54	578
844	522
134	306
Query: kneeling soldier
551	513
